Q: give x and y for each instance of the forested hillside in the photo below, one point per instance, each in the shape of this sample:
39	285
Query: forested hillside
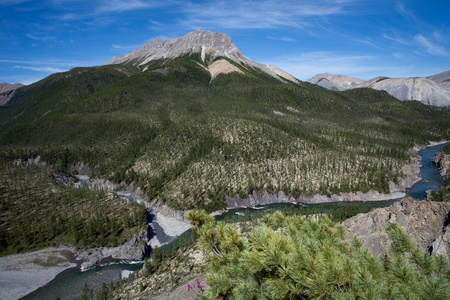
191	142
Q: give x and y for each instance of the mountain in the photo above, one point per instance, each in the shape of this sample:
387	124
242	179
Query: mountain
433	90
442	79
192	123
7	91
210	45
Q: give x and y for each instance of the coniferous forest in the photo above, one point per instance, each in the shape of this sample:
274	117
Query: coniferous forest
191	142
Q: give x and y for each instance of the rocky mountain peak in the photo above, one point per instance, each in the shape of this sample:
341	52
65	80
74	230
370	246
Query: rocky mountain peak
206	42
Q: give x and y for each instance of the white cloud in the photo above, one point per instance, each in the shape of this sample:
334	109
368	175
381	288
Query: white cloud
262	14
397	40
126	47
405	12
57	63
398	55
42	69
11	2
283	38
119	6
42	38
430	47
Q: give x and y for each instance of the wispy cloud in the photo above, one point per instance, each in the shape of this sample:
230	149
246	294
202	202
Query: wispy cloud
42	69
40	38
405	12
263	14
431	47
283	38
57	63
11	2
92	10
127	47
121	6
398	40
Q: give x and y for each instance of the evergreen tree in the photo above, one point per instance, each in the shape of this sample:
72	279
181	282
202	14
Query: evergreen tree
293	257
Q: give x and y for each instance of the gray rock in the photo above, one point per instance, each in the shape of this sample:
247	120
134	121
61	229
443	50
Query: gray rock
133	250
419	89
7	91
425	222
442	79
433	90
335	82
442	161
206	43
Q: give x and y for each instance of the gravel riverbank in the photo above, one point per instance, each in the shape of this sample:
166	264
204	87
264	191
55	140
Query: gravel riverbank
21	274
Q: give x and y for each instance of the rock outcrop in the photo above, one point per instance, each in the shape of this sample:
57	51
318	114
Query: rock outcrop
265	198
442	161
442	79
133	250
210	45
433	90
7	91
425	222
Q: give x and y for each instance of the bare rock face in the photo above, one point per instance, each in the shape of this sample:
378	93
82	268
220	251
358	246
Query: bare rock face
208	44
7	91
425	222
433	90
442	161
442	79
205	42
420	89
4	87
135	250
335	82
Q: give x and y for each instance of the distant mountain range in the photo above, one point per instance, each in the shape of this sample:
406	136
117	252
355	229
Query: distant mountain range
432	90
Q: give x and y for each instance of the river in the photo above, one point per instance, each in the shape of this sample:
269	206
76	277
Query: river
68	284
431	179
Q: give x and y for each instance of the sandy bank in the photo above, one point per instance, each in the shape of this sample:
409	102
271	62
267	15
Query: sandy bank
172	226
22	274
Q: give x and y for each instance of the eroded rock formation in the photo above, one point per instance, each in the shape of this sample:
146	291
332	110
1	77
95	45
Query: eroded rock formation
426	223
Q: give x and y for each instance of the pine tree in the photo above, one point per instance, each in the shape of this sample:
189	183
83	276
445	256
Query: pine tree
294	257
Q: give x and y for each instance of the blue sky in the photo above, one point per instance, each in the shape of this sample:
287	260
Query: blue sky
357	38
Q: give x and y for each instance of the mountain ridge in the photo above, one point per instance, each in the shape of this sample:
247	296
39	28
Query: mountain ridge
211	45
431	90
191	137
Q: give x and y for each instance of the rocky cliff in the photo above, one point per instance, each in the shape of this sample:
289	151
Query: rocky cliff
442	161
426	222
135	250
433	90
265	198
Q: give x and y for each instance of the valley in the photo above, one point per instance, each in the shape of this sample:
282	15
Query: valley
191	123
